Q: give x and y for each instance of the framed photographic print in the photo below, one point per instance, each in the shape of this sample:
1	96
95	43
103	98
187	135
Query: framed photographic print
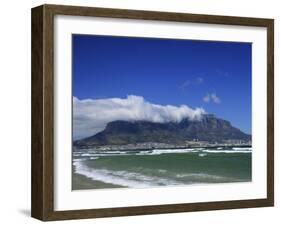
141	112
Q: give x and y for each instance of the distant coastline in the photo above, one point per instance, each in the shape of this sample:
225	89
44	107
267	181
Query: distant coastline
155	146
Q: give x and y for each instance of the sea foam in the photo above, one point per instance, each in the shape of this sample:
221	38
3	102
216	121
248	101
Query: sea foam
92	154
122	178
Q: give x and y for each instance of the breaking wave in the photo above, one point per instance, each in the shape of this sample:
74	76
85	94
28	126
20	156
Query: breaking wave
122	178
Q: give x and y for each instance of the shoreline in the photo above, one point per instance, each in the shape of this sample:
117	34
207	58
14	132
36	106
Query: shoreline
81	182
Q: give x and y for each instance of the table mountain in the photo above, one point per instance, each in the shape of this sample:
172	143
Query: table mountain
208	128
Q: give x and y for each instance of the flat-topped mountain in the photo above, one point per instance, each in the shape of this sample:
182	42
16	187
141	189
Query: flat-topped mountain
208	128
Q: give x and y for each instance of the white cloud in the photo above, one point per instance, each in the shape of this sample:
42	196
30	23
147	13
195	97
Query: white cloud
90	116
207	98
211	97
215	98
193	82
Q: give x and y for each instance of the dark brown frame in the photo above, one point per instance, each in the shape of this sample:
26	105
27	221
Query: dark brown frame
42	203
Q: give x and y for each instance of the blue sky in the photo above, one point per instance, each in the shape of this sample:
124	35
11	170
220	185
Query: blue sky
213	75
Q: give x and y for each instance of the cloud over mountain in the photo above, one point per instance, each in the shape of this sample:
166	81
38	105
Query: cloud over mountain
90	116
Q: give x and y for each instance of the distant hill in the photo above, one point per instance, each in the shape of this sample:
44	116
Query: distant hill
209	128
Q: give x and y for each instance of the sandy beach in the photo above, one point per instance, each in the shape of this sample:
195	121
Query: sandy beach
81	182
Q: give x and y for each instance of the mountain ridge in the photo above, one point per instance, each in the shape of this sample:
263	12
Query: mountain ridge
209	128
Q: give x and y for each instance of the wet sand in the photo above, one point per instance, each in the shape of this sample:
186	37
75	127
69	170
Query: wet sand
80	182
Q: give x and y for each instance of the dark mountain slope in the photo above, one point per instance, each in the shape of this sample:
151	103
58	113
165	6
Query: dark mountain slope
209	128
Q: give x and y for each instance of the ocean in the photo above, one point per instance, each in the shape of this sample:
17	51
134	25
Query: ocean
160	167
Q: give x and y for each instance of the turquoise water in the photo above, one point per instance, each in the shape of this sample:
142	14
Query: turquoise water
165	167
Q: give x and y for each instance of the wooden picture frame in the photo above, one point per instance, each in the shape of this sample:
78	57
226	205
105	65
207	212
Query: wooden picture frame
42	204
